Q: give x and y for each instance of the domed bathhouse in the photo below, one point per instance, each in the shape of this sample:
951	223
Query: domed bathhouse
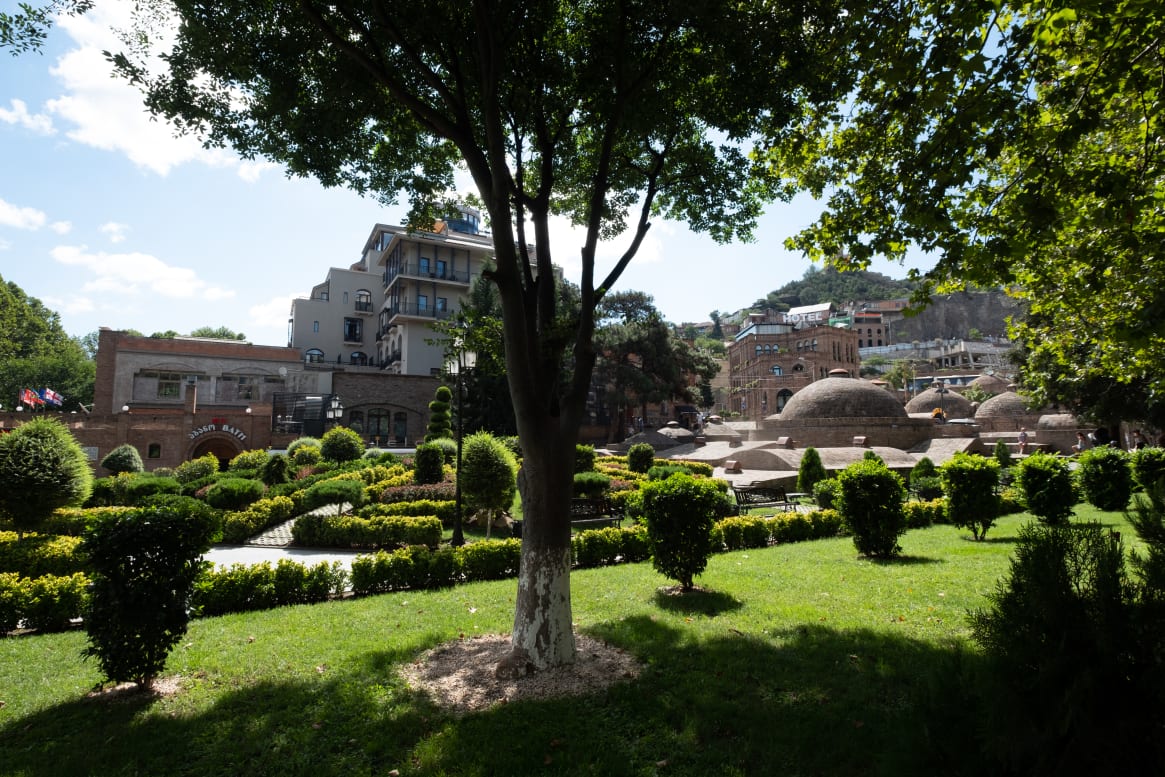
951	403
842	418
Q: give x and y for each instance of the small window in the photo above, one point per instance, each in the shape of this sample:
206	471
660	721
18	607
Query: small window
422	302
246	389
345	302
442	304
315	326
777	370
313	356
169	385
442	268
424	266
154	451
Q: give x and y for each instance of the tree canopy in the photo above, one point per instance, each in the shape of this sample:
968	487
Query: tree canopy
1020	143
36	352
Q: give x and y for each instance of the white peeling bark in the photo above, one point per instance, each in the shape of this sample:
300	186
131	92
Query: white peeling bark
543	635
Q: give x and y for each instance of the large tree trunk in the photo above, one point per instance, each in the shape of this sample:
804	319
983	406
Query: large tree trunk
543	634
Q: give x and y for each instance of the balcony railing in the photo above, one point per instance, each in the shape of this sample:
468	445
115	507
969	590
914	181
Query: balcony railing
417	312
362	306
413	270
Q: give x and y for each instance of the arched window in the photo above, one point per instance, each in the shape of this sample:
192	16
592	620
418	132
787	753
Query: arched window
777	370
313	356
364	300
759	349
359	358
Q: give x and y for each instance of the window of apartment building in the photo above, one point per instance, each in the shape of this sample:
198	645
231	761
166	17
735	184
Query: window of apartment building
345	298
169	385
315	326
422	302
353	330
442	304
313	355
442	268
364	300
154	451
423	265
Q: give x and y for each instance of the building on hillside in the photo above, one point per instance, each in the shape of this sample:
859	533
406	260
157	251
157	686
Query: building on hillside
378	313
774	357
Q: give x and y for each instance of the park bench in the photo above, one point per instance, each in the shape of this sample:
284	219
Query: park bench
761	496
593	513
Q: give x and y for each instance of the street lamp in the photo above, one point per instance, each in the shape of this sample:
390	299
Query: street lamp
941	389
465	360
335	409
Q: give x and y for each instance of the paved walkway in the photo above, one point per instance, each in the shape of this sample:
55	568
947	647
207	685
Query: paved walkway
274	544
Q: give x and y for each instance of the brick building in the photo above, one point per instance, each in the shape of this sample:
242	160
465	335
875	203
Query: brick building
178	399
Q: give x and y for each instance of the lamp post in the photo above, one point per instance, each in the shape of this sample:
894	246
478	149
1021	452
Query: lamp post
335	410
941	389
465	360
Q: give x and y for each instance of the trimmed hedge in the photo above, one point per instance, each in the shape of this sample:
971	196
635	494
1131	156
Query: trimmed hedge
417	567
375	532
443	509
438	492
40	554
612	545
45	603
919	515
242	588
239	525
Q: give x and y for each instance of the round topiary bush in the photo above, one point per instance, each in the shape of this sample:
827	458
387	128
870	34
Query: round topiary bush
428	464
640	457
1105	477
870	501
488	475
825	493
680	512
1047	488
969	483
341	444
234	493
305	455
1148	466
123	458
249	460
301	442
448	448
196	469
143	486
42	467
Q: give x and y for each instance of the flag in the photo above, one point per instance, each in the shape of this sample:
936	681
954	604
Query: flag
30	397
52	397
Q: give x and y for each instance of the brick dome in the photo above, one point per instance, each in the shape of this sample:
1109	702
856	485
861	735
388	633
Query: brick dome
1005	405
992	384
842	398
955	405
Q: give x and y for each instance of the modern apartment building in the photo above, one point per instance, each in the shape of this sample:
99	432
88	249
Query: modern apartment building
378	313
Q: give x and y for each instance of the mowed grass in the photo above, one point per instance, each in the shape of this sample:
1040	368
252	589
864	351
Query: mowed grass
793	660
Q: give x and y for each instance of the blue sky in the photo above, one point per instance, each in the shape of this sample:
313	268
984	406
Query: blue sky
112	221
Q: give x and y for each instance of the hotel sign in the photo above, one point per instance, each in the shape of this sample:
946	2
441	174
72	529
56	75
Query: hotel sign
223	427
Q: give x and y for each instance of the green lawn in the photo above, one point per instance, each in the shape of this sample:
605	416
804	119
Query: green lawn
795	660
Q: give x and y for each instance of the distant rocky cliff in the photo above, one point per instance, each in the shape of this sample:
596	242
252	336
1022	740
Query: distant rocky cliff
955	315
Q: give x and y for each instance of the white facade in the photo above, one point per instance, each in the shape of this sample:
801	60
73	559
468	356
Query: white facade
378	313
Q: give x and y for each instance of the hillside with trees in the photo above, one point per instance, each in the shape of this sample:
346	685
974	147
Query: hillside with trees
819	285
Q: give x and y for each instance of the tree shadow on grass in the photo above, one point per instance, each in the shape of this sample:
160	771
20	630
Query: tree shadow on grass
904	560
698	601
805	700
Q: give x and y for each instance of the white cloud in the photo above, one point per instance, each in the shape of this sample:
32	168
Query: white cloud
115	231
5	245
70	305
38	123
267	321
137	273
21	218
108	113
61	227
